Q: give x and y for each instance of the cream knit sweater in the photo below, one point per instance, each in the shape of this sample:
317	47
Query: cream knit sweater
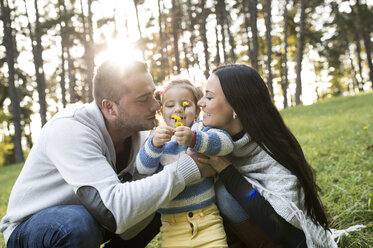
279	187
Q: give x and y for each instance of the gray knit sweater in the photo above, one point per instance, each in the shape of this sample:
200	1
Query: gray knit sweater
279	187
73	162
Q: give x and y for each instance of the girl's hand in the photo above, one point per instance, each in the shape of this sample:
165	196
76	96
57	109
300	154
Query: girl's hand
162	135
184	135
217	163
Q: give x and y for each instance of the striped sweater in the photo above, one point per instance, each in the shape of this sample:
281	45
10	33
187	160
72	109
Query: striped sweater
201	194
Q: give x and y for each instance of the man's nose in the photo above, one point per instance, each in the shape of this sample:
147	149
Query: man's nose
201	102
156	105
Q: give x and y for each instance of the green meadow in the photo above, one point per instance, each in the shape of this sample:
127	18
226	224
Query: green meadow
337	139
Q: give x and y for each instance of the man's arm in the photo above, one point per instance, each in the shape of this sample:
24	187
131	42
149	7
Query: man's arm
79	157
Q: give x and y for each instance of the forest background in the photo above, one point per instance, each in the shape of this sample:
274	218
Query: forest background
305	50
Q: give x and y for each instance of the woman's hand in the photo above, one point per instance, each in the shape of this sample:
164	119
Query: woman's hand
218	163
162	135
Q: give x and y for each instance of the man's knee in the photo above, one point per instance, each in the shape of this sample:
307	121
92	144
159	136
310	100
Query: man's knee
60	226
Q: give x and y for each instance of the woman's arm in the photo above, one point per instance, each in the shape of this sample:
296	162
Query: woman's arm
255	205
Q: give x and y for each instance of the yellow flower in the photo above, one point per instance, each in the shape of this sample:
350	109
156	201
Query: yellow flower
176	117
185	104
365	127
178	124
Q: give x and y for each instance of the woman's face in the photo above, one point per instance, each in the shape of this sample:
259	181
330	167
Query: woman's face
217	112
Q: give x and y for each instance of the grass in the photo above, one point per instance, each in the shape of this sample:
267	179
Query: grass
336	136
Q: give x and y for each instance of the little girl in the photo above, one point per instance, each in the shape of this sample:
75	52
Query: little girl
192	218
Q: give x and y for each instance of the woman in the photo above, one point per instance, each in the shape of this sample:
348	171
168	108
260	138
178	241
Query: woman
270	183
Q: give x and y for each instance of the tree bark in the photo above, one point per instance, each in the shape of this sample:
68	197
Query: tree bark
10	57
365	30
162	40
220	15
298	89
90	53
245	7
37	51
63	42
175	25
204	38
269	47
285	80
192	34
254	31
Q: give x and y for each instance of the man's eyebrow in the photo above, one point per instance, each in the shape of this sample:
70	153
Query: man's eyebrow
145	94
209	91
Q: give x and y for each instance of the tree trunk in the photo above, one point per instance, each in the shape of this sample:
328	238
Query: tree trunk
254	31
70	72
204	38
37	51
10	57
162	40
285	80
220	14
298	89
366	38
63	59
217	58
359	60
136	3
269	47
245	9
175	25
90	53
230	36
192	34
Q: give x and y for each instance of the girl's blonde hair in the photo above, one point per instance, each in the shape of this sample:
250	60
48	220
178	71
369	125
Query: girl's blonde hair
197	93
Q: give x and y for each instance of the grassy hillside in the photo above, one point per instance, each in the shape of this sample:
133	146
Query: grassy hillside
337	138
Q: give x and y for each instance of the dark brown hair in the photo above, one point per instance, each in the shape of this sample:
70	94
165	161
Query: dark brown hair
248	95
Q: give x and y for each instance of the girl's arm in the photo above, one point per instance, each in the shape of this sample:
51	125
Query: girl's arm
147	160
212	141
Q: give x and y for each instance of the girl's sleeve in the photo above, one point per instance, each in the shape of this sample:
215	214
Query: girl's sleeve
147	160
212	141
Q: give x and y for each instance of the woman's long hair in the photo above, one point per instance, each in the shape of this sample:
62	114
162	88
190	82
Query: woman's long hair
248	95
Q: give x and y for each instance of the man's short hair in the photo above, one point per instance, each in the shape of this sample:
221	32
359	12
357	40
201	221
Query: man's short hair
109	78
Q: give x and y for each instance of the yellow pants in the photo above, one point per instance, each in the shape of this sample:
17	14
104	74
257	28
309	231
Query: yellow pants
198	228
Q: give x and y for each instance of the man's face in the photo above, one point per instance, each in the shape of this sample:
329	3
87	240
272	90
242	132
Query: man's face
137	107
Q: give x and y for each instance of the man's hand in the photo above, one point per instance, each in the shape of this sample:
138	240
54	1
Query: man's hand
218	163
184	135
205	169
162	135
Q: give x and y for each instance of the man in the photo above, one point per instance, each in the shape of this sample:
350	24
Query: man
79	187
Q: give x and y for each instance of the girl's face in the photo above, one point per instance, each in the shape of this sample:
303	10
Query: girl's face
217	112
173	100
